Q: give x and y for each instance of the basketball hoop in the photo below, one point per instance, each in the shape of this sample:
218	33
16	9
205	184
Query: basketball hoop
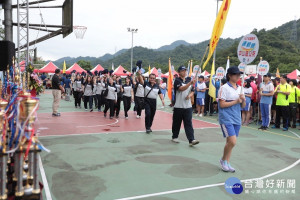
79	31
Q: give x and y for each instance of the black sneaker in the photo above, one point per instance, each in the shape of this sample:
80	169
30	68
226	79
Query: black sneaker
75	106
91	110
262	128
148	131
104	114
55	115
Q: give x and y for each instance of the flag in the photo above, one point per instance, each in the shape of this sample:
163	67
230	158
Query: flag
64	67
212	88
191	69
149	70
188	69
218	29
170	81
277	73
227	65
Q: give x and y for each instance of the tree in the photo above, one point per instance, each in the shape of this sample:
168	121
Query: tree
86	65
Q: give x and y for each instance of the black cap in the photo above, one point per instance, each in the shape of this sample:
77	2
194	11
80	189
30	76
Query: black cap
201	77
234	70
181	68
268	75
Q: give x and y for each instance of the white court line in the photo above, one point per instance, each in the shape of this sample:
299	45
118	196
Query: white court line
294	134
82	134
99	125
44	178
207	186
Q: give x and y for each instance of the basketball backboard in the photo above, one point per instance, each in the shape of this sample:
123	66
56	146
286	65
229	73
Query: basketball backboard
67	17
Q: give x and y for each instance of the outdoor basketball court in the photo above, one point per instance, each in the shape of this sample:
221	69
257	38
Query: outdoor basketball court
93	157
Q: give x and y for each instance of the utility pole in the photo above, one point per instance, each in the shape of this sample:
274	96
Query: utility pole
8	23
132	32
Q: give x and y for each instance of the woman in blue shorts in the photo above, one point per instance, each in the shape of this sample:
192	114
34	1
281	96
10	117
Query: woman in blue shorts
230	104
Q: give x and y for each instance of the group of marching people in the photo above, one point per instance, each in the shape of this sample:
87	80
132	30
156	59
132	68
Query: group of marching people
234	101
108	91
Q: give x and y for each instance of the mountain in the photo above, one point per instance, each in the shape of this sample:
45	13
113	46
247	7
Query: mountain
106	57
173	45
276	46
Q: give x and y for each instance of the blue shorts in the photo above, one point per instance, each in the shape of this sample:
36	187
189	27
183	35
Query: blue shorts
200	101
247	107
230	129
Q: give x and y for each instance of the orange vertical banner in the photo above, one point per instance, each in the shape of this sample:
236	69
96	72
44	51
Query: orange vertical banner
170	81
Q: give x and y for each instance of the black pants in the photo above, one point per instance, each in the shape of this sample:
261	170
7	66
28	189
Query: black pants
118	106
127	104
95	99
110	104
135	104
77	96
208	105
150	109
282	111
293	113
185	115
90	100
138	107
100	101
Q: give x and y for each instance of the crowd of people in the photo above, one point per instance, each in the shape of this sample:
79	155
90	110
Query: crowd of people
264	102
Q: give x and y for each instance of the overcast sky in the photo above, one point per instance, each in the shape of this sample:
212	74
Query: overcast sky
159	22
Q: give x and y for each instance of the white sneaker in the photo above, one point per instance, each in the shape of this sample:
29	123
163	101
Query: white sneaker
126	117
200	115
138	116
194	142
175	140
196	115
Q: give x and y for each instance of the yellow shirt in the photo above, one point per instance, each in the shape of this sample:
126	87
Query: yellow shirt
292	96
282	99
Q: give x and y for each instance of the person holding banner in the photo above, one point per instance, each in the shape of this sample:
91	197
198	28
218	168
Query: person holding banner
230	104
266	92
282	103
152	91
183	110
200	98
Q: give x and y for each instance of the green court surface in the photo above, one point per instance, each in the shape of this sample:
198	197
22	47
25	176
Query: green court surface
134	165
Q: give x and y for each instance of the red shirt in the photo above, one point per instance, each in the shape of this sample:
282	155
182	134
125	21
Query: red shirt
254	88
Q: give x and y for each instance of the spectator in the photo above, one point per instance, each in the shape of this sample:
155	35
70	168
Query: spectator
282	103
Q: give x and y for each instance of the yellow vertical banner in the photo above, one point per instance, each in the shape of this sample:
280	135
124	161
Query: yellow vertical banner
218	29
64	67
212	88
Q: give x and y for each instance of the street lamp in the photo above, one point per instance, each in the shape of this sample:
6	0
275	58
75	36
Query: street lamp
132	30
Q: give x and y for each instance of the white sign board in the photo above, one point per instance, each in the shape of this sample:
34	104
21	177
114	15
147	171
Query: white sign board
242	67
263	68
220	73
159	73
248	48
251	69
